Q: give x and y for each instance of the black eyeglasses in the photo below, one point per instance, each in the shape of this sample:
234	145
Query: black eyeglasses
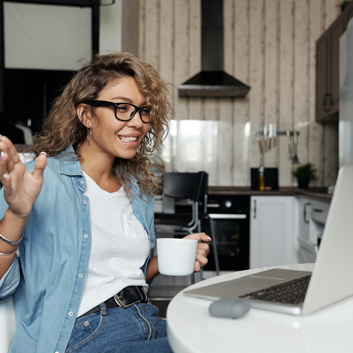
125	111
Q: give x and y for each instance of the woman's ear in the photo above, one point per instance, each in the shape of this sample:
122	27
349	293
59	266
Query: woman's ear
84	114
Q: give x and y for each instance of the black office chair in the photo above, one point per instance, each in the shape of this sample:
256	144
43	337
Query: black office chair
184	189
205	217
187	193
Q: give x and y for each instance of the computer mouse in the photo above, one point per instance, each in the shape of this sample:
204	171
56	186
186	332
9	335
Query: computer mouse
229	308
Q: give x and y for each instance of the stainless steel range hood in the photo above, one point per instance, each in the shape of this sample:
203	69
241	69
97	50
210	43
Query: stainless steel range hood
212	81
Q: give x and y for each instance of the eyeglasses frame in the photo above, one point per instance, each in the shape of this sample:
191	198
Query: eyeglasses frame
100	103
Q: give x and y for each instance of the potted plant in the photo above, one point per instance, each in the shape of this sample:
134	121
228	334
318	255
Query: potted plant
343	4
304	173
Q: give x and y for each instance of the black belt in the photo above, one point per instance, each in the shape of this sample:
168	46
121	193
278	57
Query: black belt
125	298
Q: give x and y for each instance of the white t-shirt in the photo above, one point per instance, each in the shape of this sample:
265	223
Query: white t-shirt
120	246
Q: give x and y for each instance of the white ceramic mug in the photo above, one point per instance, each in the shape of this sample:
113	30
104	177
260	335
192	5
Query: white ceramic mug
176	257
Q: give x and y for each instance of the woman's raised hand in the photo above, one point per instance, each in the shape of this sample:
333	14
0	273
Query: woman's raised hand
21	188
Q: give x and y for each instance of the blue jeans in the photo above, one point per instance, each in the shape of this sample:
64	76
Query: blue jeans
135	329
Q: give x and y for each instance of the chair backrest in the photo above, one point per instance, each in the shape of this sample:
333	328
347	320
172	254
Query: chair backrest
183	185
203	193
7	325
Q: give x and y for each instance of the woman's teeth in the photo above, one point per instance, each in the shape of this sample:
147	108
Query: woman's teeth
122	138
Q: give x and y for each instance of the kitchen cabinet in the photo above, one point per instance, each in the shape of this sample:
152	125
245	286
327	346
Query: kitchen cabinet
272	231
318	216
310	217
327	72
303	216
327	68
305	251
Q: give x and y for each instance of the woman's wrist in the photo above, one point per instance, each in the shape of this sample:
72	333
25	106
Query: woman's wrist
9	241
11	228
16	217
152	269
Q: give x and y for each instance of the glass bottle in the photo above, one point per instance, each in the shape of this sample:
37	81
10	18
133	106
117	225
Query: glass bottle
261	179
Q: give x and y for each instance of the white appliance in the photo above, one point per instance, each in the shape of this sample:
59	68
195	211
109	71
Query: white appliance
345	134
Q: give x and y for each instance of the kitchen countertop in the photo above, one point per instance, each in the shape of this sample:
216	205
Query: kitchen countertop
282	191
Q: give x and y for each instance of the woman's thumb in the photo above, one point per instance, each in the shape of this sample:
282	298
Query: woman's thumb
39	167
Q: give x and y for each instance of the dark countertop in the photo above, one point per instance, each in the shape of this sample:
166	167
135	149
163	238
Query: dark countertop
284	191
244	190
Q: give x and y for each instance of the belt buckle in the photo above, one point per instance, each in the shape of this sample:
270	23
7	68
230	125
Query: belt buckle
144	296
124	306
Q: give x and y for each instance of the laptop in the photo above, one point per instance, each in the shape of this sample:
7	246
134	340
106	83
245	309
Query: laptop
330	280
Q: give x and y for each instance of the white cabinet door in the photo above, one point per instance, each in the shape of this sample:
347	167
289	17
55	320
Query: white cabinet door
303	248
311	218
303	216
272	231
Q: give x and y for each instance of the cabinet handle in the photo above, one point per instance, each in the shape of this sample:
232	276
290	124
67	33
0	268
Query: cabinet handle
327	109
226	216
254	208
305	213
317	210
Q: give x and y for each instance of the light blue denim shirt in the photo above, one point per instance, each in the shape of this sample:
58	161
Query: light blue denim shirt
47	280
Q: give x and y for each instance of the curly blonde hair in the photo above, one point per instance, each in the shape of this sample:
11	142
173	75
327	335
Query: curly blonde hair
63	129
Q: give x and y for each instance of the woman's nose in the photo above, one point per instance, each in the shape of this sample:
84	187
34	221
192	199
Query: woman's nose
136	120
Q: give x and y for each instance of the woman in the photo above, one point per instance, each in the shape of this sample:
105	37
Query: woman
77	224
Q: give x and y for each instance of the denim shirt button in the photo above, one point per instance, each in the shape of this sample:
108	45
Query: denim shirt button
80	275
85	236
71	313
84	202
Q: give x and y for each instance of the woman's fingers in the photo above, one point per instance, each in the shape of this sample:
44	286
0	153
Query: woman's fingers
202	249
5	177
201	256
201	259
21	188
14	158
198	236
39	166
8	150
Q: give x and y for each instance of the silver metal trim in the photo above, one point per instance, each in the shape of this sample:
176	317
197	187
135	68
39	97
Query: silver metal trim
226	216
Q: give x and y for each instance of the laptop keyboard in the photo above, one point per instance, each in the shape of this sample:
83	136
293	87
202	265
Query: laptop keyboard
292	292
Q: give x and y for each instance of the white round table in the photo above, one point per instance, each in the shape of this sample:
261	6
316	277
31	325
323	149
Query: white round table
192	330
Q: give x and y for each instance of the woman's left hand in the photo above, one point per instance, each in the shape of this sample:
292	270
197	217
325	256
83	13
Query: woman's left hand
202	250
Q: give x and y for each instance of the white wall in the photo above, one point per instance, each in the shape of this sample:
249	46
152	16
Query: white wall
110	27
46	36
56	37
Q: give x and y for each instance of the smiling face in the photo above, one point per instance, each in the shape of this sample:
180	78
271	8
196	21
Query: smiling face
110	136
